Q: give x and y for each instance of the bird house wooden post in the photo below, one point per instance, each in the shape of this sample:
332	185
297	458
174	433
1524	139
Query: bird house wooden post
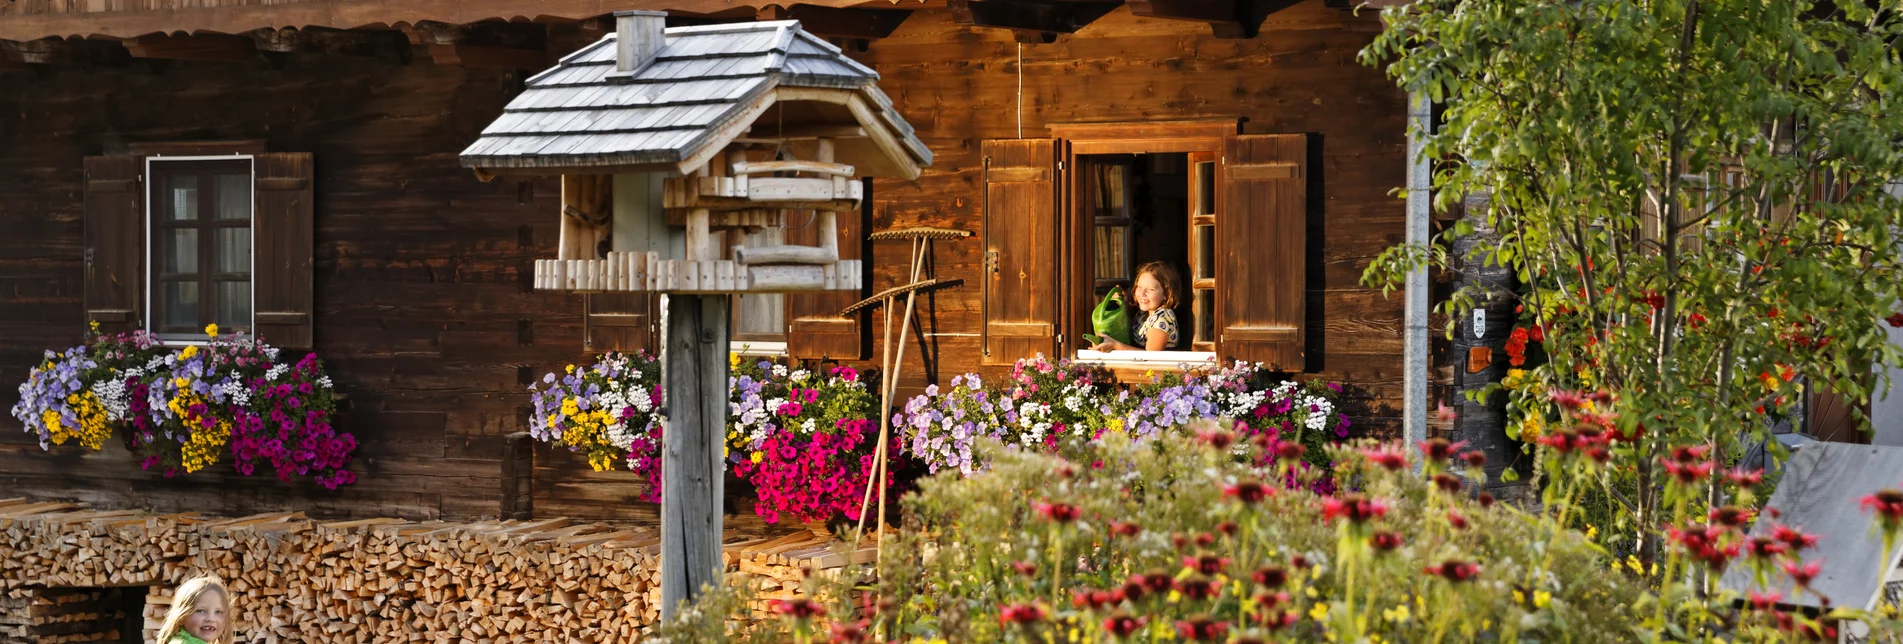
695	132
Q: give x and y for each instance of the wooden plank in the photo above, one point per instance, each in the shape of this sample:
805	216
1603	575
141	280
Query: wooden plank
815	167
692	487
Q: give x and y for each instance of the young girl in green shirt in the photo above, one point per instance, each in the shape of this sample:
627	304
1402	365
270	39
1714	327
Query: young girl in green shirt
200	614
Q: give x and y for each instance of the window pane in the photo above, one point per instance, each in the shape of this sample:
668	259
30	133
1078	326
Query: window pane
1112	262
180	198
1205	312
181	304
233	251
1205	252
181	250
1206	188
234	305
234	196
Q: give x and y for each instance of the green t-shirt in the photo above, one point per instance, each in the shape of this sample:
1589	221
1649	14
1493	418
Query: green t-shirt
186	638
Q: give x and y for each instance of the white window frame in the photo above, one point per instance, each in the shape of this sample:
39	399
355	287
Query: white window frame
251	229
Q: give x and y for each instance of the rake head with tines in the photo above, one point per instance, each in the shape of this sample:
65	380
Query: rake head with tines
919	233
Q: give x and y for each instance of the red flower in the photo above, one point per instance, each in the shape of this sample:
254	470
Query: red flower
1439	449
1764	601
1485	499
1228	528
1357	508
1202	628
1198	587
1155	581
1125	529
798	608
1765	547
1888	505
1802	574
1059	512
1122	625
1206	564
1688	473
1289	451
1250	492
1268	601
1447	482
1021	614
1743	478
848	633
1459	522
1026	568
1217	439
1475	458
1455	571
1132	590
1795	539
1385	541
1091	599
1895	319
1391	460
1536	333
1732	515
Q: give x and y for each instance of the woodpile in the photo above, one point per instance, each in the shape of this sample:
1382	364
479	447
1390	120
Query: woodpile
67	574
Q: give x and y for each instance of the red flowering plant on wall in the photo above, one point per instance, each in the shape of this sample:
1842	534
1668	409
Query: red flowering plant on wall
288	426
802	439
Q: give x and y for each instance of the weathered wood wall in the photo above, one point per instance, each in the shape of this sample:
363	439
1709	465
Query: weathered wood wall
424	317
422	312
959	86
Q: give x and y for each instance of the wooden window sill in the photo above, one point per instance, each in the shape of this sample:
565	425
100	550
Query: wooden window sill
759	349
1169	360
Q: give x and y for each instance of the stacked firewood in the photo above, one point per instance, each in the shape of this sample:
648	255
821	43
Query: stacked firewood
62	615
379	580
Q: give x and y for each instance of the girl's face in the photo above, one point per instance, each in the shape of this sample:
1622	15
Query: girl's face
1148	292
207	619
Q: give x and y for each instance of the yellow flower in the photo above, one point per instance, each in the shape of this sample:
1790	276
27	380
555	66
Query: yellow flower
211	329
1542	598
188	352
757	457
1515	378
570	408
571	368
733	360
1633	562
94	325
1398	614
1519	597
1116	424
1319	612
1592	532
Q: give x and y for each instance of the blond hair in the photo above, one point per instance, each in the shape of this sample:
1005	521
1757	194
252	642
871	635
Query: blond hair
1165	276
185	600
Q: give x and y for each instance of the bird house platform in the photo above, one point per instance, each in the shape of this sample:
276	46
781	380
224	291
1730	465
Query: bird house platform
652	273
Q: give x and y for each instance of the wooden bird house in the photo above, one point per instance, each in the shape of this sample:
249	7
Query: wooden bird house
665	138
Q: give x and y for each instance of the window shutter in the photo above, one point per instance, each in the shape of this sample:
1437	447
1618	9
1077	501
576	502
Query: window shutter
621	322
1261	237
814	328
1021	263
115	243
284	232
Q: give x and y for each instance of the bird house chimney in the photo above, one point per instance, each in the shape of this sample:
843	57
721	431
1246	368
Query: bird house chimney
639	35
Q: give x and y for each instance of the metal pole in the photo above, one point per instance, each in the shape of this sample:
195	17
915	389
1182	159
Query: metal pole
1414	325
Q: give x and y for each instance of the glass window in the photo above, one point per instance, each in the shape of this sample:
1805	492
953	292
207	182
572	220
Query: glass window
201	245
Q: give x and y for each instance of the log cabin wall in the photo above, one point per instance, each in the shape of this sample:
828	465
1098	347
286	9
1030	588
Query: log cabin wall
423	314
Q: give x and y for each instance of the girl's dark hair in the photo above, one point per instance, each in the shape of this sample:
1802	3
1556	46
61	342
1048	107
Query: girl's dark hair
1166	277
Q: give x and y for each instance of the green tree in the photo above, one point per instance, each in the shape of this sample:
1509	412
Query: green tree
1699	195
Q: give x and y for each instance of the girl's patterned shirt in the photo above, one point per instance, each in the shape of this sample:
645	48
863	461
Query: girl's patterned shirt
1162	319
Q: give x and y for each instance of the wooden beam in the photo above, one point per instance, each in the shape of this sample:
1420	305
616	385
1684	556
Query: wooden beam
832	22
489	56
202	46
381	44
503	45
62	51
1030	20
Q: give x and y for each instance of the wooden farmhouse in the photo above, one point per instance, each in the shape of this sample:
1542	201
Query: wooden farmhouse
438	196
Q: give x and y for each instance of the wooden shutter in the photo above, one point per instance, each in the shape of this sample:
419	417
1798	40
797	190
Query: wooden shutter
1021	263
1261	242
814	328
620	322
115	243
283	231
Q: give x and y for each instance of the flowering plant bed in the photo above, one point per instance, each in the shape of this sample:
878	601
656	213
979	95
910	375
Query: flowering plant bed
182	410
1063	407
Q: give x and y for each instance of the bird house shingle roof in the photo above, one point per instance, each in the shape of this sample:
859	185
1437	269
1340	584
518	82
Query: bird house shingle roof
581	113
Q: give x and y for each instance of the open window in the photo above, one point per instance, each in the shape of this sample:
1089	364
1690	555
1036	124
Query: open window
1069	218
177	243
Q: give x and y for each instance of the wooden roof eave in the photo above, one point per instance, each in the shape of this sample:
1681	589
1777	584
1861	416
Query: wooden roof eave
236	16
